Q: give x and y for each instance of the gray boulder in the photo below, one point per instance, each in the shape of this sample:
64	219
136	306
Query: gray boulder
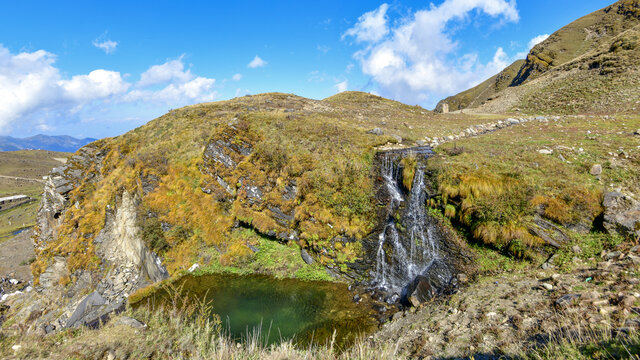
621	214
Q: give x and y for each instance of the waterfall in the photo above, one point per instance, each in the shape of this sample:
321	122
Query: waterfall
407	246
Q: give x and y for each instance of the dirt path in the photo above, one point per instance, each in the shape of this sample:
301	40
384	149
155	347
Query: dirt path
15	254
21	178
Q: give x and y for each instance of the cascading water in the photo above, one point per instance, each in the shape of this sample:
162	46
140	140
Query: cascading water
407	246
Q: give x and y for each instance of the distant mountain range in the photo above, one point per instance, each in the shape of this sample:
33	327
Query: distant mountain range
61	143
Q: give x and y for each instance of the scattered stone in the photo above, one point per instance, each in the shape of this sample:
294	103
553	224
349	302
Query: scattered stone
545	151
621	214
130	322
397	316
567	300
375	131
637	132
356	298
547	286
397	137
596	170
576	249
613	255
194	267
463	278
627	301
306	257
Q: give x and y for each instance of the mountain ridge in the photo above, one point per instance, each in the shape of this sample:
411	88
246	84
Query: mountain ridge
580	68
60	143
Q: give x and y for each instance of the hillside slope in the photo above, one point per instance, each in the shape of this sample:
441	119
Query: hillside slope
479	94
588	66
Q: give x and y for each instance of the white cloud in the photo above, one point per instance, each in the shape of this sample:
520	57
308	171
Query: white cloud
237	77
172	70
342	86
371	27
256	63
108	46
34	94
98	84
537	40
417	60
533	42
181	86
29	84
323	48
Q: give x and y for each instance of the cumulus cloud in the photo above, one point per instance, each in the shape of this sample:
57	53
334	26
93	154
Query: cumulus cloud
371	27
108	46
533	42
256	63
342	86
236	77
34	93
172	70
29	83
171	84
537	40
416	61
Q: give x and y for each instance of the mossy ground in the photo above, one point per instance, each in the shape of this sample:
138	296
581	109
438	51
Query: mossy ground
499	183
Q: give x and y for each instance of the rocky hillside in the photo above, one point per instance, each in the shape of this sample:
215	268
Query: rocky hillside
590	65
272	183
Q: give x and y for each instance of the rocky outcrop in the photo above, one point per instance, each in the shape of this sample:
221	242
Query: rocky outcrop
125	262
263	203
621	214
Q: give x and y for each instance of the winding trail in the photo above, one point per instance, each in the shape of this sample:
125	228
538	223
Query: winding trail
17	178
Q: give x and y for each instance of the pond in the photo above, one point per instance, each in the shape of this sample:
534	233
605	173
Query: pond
281	309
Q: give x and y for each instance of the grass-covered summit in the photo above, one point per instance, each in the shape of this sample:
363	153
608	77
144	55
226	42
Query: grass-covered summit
590	65
213	181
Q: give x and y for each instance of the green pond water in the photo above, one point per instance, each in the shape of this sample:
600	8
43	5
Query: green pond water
281	309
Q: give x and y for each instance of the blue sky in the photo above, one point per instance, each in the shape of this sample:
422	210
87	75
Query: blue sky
102	68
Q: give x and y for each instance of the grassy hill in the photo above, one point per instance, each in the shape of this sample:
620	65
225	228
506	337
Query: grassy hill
588	66
479	94
278	144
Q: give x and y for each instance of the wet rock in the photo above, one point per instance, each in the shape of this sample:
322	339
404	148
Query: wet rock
422	291
306	257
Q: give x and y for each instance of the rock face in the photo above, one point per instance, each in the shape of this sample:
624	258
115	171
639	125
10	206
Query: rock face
415	257
260	202
126	263
621	214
